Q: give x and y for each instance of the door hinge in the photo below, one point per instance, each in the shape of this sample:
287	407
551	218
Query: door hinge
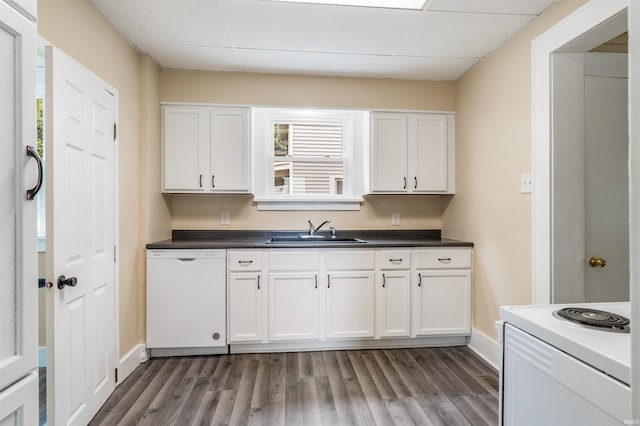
116	379
115	131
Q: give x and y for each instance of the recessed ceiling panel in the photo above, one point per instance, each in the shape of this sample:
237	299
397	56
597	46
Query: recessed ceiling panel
462	35
512	7
263	61
193	22
438	69
274	26
201	58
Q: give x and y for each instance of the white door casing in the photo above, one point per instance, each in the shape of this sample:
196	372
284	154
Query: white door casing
81	240
597	22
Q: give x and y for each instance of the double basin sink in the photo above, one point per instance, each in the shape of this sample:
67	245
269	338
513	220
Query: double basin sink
313	239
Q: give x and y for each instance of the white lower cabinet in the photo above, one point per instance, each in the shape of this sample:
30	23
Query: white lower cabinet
293	306
279	296
245	307
442	296
394	293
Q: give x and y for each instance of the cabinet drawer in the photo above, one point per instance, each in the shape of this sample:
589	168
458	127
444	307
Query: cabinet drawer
395	259
442	259
294	261
245	261
350	260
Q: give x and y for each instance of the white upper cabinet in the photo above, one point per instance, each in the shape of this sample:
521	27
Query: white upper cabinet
412	153
205	149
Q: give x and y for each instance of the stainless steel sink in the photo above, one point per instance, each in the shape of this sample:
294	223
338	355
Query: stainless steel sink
304	239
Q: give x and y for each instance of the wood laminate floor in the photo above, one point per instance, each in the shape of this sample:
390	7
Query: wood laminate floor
421	386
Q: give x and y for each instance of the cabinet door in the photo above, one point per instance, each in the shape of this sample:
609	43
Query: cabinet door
350	305
245	307
428	139
389	152
394	304
293	306
185	149
443	303
229	150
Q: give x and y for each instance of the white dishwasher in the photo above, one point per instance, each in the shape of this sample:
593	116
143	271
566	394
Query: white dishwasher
186	302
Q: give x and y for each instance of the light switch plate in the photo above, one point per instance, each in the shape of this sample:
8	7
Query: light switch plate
395	219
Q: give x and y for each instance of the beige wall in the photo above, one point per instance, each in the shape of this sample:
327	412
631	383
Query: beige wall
493	148
193	212
75	27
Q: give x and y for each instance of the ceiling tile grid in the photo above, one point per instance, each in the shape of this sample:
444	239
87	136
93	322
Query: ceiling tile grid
441	42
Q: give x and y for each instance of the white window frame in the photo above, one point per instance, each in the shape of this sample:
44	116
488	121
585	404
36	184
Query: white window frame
355	125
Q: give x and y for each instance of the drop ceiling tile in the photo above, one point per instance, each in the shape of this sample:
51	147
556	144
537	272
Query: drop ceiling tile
518	7
437	69
269	25
201	58
266	61
461	35
193	22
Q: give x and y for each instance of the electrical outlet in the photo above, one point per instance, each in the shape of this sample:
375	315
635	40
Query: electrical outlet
395	219
526	183
224	218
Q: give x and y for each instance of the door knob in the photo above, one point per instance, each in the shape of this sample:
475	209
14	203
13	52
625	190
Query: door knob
63	281
596	262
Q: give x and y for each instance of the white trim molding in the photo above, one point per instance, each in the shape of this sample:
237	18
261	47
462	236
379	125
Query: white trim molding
130	361
485	347
576	33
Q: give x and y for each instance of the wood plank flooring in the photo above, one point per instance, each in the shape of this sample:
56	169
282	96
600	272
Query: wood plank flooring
420	386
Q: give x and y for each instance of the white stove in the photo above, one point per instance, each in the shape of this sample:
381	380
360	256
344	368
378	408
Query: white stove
606	351
554	370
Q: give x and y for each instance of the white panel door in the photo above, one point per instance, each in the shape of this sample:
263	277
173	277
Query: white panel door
428	139
80	241
389	156
229	150
606	189
350	305
18	262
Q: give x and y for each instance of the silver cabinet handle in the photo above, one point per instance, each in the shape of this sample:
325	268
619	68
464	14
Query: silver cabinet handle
419	280
396	261
384	280
213	181
245	262
258	282
200	181
328	281
316	280
444	259
415	184
405	183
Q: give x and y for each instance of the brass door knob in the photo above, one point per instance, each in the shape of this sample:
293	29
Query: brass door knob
596	262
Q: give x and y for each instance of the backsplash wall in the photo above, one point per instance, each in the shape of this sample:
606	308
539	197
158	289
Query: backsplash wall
203	212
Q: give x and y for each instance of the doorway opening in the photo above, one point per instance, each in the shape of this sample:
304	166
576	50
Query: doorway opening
559	129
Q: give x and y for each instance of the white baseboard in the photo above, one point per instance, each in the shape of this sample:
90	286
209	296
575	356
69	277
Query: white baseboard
131	361
486	348
42	356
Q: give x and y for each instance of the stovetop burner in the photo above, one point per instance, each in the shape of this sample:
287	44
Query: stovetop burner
594	318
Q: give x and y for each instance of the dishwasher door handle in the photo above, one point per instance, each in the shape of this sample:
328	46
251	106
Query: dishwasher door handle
186	259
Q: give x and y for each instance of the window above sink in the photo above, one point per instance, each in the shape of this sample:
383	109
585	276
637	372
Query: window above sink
309	159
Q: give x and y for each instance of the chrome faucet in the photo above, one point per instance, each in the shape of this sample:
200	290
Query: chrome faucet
313	229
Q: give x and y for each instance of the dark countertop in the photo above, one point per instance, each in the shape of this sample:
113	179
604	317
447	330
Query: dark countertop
188	239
